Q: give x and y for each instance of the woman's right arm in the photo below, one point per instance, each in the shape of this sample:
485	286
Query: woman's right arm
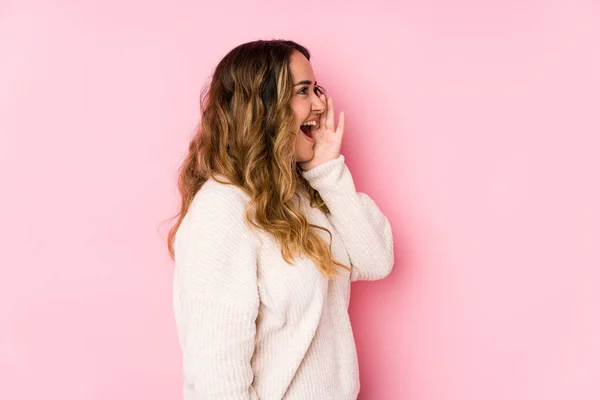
215	261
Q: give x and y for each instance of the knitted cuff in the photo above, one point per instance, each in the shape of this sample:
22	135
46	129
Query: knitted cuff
330	176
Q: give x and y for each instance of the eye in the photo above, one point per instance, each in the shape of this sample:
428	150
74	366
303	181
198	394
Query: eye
318	90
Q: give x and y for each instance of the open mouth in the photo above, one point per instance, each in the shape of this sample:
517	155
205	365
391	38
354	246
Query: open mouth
307	134
306	130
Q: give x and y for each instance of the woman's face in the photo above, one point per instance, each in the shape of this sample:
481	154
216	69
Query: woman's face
304	102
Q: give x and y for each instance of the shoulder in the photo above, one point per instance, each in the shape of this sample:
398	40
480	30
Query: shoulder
217	201
215	194
218	207
216	218
215	248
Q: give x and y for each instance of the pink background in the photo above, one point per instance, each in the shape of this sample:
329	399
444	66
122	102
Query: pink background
474	125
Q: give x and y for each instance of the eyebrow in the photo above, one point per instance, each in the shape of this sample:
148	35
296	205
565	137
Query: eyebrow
305	82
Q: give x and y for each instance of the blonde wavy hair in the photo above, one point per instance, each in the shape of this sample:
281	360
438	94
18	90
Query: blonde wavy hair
247	135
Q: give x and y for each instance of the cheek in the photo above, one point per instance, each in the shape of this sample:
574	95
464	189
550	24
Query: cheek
301	110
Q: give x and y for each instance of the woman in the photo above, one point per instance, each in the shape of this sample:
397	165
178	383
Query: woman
270	234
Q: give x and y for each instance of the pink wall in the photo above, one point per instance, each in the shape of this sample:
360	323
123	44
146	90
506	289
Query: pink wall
474	125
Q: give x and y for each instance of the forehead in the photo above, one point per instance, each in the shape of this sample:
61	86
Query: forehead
300	67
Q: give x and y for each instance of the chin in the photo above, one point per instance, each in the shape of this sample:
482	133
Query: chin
305	157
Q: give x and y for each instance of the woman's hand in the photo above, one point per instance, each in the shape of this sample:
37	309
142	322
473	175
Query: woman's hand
328	140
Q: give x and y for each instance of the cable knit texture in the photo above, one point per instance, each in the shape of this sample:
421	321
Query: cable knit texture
252	326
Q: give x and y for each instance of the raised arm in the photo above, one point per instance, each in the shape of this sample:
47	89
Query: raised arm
216	298
363	228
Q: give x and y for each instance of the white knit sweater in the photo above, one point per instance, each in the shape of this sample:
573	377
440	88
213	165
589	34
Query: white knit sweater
252	326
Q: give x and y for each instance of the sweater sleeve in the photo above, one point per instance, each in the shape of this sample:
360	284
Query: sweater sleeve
218	300
363	228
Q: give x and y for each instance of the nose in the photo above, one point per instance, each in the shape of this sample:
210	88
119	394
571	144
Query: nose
318	105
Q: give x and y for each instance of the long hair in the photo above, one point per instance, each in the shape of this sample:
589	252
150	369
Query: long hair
247	135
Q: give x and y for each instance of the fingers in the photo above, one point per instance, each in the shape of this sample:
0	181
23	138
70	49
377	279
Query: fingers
327	117
329	122
322	116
